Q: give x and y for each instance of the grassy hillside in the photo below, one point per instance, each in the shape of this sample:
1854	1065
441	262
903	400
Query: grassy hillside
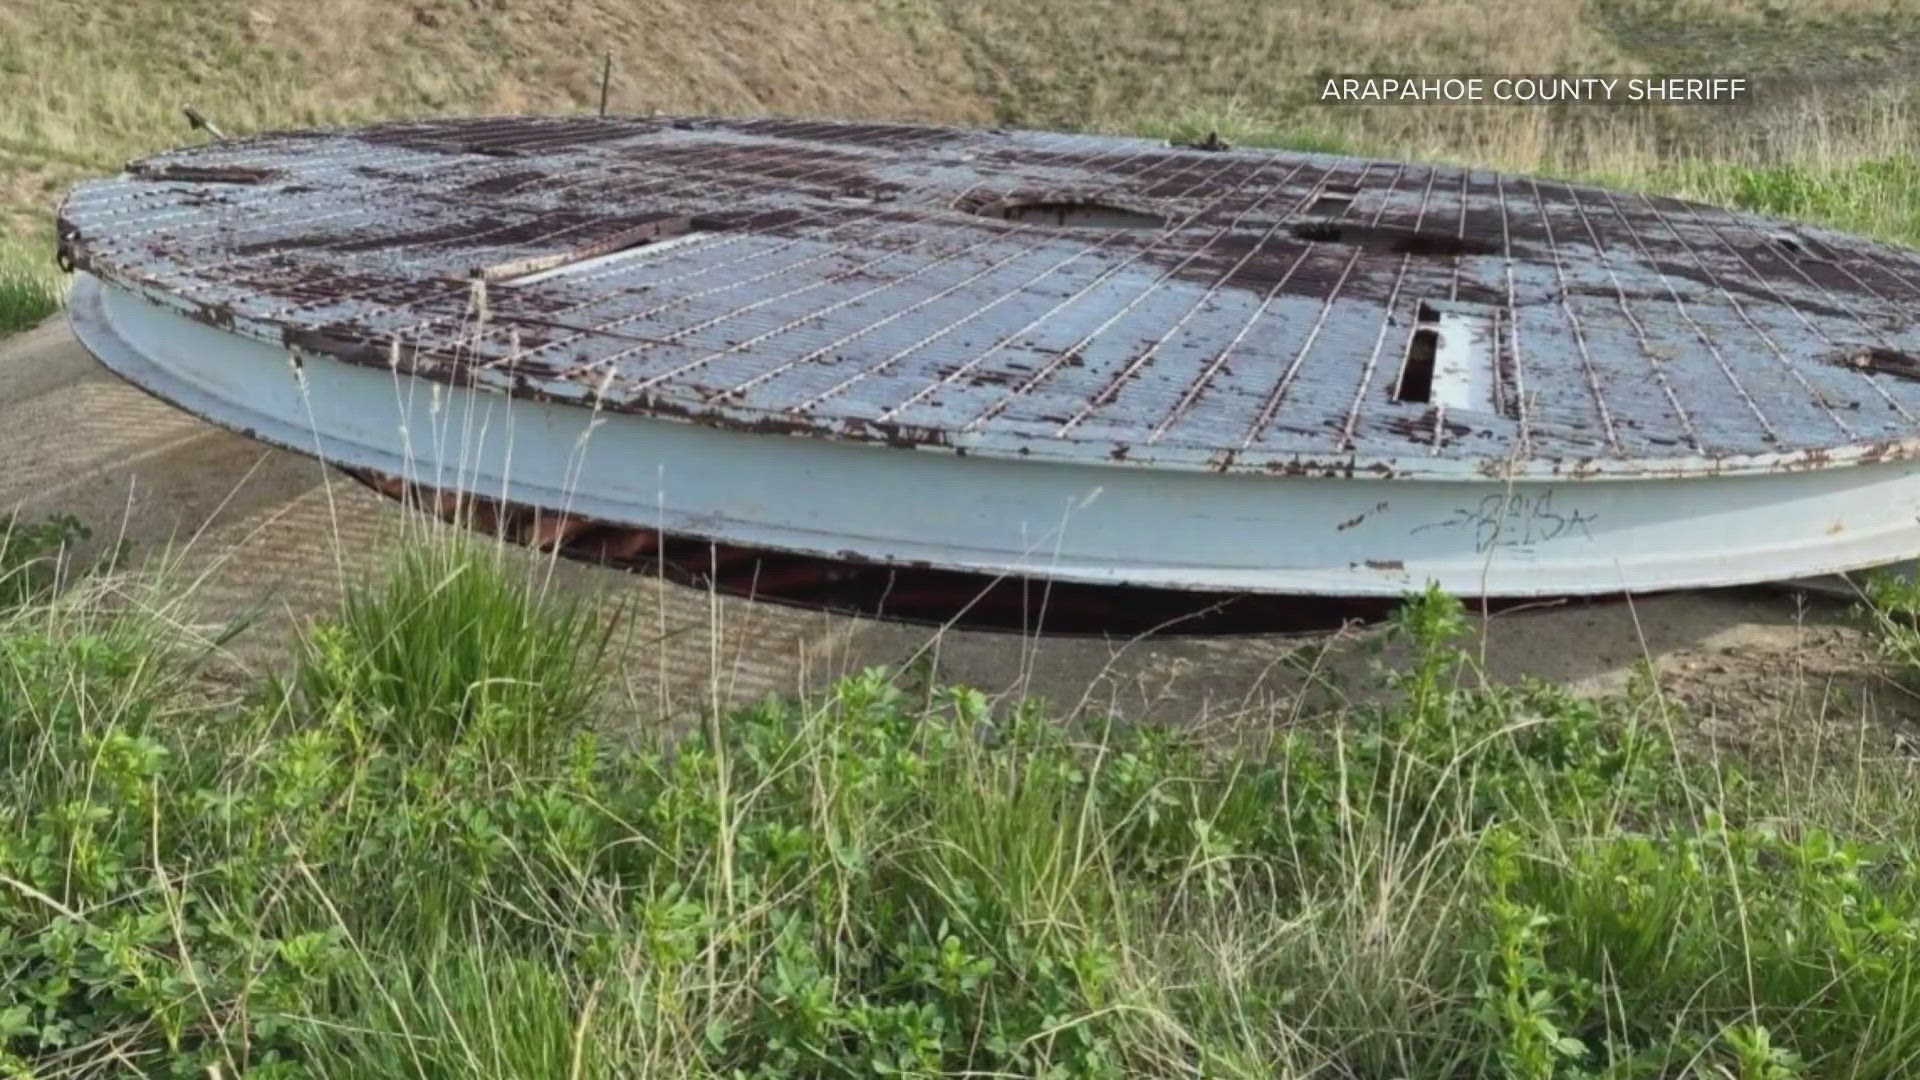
84	86
1836	77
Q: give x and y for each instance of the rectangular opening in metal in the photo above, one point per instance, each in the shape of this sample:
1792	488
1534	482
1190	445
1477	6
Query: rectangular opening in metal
598	253
1416	373
1450	357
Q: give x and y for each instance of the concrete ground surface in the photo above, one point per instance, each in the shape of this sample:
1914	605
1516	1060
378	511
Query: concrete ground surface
259	530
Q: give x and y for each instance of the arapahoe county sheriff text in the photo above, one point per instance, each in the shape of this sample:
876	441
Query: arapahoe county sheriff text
1534	88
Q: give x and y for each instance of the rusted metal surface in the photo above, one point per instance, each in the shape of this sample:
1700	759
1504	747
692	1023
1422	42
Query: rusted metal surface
1177	368
876	283
1096	523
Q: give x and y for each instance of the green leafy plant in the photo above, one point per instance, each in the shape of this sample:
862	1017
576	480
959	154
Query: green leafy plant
384	871
34	557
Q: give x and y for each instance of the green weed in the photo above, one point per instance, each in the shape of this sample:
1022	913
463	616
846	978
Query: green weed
1875	196
35	557
449	637
28	292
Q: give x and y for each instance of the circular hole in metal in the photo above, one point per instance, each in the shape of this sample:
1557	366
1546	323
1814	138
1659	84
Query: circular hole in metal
1071	214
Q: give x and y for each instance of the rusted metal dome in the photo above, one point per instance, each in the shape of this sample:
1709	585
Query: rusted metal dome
1101	359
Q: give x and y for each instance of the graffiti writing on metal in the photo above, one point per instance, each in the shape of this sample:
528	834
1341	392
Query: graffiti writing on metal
1512	520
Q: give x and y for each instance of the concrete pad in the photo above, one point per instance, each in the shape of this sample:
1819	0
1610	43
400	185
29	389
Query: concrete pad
264	532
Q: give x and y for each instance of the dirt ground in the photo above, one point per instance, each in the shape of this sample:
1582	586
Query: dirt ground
256	532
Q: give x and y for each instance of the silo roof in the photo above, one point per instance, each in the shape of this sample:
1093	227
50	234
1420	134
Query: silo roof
1072	297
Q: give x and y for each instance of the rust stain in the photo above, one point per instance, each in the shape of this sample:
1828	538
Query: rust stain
1228	308
1360	517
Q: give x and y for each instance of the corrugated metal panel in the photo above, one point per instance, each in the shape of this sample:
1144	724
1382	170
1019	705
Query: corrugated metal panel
1072	297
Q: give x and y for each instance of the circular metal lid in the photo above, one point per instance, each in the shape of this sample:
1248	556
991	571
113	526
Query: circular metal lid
1068	297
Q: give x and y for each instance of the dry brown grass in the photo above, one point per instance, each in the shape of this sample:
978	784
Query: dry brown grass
1104	62
1115	63
84	85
